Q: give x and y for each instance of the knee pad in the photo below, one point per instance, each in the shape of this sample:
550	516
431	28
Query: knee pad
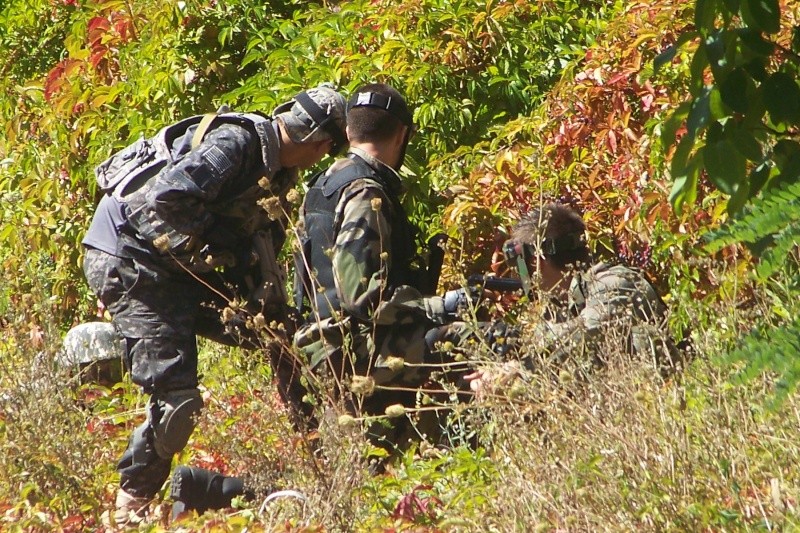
178	416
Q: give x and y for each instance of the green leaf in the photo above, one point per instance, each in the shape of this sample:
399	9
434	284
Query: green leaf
715	105
796	39
664	57
673	123
782	98
699	113
734	90
756	110
790	173
747	144
715	132
764	15
697	69
756	68
783	152
758	177
705	13
669	54
725	165
716	50
739	198
732	6
755	42
678	165
678	193
6	232
684	190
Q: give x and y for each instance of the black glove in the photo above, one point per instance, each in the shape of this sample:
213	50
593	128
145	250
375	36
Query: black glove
457	300
502	338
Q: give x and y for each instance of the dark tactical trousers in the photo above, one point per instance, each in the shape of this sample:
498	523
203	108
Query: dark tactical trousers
158	313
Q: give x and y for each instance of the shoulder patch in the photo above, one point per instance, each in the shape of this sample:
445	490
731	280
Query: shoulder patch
217	159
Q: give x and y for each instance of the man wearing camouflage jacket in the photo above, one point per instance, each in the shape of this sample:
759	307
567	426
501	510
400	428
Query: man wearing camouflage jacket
173	247
591	310
369	318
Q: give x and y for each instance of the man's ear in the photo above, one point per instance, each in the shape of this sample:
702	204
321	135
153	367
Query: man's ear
400	136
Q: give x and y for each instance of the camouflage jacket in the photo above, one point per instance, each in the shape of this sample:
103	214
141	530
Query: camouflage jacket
375	321
609	309
204	209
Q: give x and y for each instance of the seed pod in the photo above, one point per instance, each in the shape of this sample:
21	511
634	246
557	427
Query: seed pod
395	410
346	421
363	385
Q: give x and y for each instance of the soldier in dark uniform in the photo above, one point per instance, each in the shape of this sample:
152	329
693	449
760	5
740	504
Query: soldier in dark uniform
166	252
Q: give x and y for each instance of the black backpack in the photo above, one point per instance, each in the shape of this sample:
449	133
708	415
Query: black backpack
126	170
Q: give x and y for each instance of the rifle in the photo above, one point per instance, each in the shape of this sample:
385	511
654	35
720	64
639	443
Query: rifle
494	283
435	259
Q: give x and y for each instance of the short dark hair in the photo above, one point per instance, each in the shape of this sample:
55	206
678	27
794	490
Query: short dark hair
368	123
557	232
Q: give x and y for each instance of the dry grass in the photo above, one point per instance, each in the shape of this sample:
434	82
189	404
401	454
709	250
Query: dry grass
621	451
625	452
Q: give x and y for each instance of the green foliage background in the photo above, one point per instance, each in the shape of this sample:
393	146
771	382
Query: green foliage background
102	73
624	110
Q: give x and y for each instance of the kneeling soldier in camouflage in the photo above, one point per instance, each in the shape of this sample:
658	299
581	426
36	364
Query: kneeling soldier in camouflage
370	310
590	308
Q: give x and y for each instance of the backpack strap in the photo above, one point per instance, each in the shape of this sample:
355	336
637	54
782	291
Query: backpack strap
202	129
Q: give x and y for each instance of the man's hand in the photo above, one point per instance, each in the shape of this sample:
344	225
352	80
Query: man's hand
486	381
477	382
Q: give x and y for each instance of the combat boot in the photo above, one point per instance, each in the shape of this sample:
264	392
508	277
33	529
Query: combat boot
197	489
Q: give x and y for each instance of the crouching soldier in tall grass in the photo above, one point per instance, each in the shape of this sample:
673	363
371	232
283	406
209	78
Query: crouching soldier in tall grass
191	224
591	310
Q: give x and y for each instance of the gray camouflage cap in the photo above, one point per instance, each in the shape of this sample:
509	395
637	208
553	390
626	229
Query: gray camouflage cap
317	114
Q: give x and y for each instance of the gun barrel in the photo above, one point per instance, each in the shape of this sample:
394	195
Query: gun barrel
494	283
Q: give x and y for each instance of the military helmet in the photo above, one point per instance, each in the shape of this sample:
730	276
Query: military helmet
95	349
317	114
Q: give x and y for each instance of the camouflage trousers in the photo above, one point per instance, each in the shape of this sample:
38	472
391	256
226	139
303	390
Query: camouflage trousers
159	313
425	393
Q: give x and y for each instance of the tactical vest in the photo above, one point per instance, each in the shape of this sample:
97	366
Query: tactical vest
320	234
127	175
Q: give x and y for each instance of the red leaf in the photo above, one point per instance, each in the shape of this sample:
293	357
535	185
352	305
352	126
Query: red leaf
57	76
73	523
411	507
124	28
98	26
617	77
54	80
97	56
612	141
211	461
